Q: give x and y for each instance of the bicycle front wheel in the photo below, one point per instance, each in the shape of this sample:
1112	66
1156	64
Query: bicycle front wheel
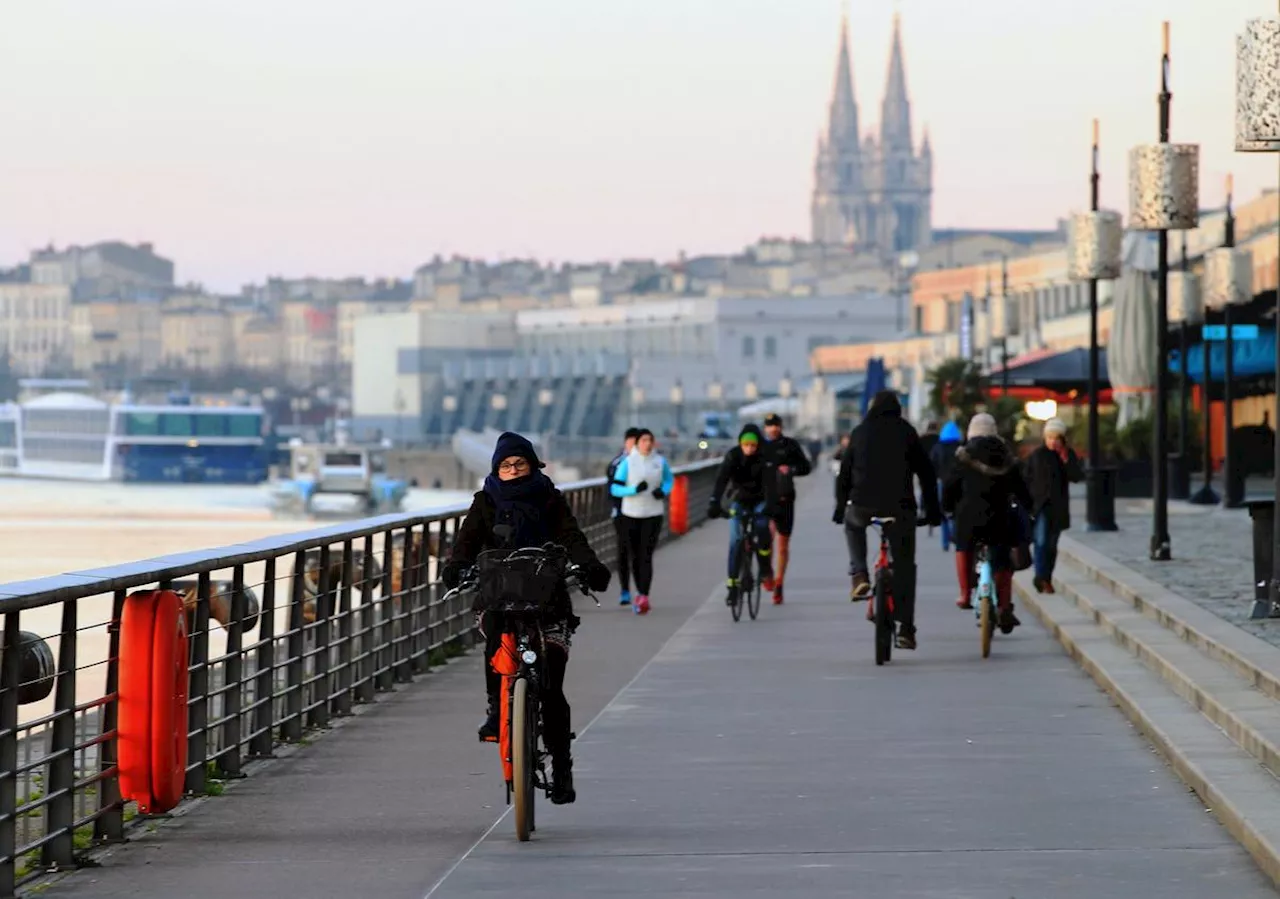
523	758
883	620
986	622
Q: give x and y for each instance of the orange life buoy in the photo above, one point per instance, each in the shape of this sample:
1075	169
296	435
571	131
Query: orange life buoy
679	509
152	720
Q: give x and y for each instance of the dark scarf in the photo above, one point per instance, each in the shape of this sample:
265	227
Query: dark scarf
522	504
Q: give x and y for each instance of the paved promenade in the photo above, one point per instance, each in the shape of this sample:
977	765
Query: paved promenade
761	758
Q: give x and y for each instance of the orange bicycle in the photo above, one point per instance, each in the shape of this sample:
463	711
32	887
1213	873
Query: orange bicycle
521	585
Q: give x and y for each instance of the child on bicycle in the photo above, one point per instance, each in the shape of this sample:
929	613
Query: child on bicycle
978	493
523	502
744	469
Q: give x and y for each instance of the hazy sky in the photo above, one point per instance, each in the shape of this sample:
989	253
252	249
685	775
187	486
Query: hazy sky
334	137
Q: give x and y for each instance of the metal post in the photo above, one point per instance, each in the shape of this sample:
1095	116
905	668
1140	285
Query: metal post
1093	486
1004	341
1231	493
1160	549
1275	556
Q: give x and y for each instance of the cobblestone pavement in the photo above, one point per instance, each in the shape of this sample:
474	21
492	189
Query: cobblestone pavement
1212	562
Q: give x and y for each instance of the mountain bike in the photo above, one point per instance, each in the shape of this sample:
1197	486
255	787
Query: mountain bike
520	585
881	610
748	591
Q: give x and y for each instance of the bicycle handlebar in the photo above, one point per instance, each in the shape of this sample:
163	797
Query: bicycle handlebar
573	575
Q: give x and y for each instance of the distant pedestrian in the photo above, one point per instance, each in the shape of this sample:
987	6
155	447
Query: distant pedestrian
620	523
642	480
943	458
1051	468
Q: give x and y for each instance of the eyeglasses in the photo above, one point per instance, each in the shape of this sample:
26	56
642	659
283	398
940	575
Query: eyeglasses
521	465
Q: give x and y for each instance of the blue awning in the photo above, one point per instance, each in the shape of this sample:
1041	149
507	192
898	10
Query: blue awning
1250	358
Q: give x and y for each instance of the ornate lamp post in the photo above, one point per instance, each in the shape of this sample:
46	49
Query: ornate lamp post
1186	309
1228	282
1163	197
1258	131
1093	254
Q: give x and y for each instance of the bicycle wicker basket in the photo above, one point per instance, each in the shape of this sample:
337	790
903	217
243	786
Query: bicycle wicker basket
517	584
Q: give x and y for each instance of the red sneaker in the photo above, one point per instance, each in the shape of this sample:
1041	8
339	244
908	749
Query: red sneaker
777	593
641	605
769	583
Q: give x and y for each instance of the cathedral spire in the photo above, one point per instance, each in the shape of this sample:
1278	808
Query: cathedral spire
842	132
895	114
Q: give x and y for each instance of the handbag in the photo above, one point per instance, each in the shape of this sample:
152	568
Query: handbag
1020	526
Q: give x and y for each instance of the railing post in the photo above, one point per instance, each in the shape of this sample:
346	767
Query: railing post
198	700
403	615
319	716
232	679
368	658
264	690
60	814
10	675
291	728
110	823
420	622
383	677
342	705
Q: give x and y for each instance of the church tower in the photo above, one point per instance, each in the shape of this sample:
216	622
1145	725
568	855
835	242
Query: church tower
873	194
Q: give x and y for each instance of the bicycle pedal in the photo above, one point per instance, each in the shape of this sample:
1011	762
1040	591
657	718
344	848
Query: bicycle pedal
573	735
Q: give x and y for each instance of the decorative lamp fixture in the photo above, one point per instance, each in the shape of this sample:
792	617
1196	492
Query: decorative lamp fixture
1164	187
546	396
677	393
785	387
1228	277
1093	245
498	401
450	403
1258	87
752	390
1186	302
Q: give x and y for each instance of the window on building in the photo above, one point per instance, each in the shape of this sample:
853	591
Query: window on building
173	425
748	347
771	348
919	322
210	425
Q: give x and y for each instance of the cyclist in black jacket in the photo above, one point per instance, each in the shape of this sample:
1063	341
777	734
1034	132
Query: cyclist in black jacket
743	469
785	460
619	525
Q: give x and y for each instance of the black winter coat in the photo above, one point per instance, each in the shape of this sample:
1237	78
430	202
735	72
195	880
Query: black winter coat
979	490
877	468
780	488
746	474
943	457
1048	479
476	533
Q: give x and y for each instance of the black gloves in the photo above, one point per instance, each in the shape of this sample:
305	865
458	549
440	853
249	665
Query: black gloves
659	493
598	577
714	510
837	517
451	574
642	487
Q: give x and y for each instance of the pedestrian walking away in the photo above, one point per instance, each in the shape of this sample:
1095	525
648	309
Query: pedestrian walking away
1050	470
619	523
642	481
785	460
878	469
943	457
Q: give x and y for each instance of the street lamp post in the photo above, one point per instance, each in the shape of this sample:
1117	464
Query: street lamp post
1232	483
1094	254
1180	487
1258	131
1163	197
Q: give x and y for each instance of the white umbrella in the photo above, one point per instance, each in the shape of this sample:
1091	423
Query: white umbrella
1131	351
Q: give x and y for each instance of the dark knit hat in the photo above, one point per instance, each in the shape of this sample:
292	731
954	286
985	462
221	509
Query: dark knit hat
512	444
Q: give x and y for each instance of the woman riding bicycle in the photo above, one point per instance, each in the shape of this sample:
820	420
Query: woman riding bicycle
519	507
978	493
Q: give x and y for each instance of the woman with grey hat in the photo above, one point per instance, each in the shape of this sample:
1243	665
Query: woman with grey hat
1051	468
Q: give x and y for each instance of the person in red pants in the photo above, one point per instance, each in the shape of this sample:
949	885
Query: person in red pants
979	491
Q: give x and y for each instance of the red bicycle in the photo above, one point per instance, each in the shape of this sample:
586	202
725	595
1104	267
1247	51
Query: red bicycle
881	609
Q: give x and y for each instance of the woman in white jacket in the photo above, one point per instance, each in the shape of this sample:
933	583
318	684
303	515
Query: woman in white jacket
643	480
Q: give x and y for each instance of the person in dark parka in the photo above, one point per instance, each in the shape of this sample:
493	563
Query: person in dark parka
518	496
943	457
978	494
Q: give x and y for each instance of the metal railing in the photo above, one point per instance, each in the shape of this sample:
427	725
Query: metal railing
286	633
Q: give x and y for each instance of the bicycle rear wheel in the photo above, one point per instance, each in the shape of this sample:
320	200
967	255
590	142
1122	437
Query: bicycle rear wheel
743	569
523	758
986	620
883	620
